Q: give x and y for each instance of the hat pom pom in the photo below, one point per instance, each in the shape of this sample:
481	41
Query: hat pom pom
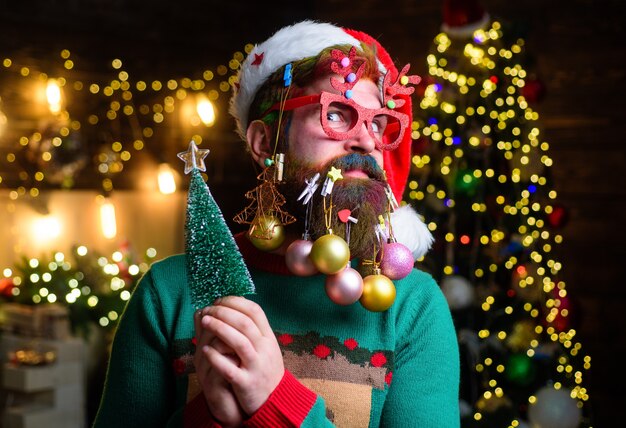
409	229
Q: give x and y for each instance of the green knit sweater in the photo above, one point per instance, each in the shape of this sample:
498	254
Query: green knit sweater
345	366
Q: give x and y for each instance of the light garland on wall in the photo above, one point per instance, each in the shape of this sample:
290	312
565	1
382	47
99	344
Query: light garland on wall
134	110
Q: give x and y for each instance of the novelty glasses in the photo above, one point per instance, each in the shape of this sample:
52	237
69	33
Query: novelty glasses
342	118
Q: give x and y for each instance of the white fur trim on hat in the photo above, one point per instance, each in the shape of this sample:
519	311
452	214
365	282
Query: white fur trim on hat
291	43
409	229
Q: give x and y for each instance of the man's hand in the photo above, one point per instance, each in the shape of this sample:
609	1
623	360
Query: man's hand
218	393
241	325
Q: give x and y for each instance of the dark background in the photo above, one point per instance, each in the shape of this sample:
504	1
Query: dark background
578	52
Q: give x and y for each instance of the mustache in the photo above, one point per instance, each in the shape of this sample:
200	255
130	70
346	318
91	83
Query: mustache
355	161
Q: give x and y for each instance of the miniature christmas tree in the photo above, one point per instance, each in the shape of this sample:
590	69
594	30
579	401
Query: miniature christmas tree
214	263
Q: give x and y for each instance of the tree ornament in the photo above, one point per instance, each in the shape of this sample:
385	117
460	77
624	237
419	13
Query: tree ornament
345	287
330	253
460	13
458	291
554	408
297	257
534	90
396	260
266	232
563	314
520	369
466	183
558	217
379	292
214	263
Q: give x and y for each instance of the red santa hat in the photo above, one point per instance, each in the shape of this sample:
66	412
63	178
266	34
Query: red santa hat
306	39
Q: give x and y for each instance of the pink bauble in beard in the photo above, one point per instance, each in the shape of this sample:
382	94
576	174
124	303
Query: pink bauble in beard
397	261
345	287
297	258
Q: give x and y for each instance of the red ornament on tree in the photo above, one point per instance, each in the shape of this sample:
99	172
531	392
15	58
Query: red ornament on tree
565	313
558	217
6	287
534	90
459	13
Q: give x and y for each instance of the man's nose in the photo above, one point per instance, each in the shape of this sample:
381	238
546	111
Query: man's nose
361	142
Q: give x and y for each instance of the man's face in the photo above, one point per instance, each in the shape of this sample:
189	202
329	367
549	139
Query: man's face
309	144
362	189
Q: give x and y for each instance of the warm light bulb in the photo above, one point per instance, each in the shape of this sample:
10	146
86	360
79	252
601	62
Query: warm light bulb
3	122
205	110
107	219
167	182
47	228
53	95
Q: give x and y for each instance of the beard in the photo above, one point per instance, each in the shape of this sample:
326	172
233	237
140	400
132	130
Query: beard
364	197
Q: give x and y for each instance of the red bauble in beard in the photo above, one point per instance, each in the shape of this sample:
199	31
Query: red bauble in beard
364	197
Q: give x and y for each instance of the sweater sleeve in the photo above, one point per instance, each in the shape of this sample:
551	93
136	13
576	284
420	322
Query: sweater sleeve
197	414
425	383
140	387
291	404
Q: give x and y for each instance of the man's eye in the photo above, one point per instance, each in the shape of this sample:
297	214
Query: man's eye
379	124
378	127
334	116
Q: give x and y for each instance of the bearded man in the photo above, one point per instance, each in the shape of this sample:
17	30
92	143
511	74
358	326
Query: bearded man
294	353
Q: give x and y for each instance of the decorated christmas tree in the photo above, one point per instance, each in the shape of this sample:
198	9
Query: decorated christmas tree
481	178
214	263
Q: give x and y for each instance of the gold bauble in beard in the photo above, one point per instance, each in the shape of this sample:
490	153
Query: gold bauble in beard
379	293
266	232
330	254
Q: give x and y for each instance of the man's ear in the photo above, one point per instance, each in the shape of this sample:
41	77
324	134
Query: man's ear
259	138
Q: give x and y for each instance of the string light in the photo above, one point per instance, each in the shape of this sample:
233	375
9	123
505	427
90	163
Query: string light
53	95
46	228
167	182
108	222
205	109
145	105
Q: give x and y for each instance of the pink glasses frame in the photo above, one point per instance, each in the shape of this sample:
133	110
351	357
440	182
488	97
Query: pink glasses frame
365	115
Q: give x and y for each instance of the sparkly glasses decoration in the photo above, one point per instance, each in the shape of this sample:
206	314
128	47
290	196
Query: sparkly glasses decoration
342	118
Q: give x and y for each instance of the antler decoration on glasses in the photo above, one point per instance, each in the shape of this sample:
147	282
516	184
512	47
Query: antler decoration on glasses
343	65
392	88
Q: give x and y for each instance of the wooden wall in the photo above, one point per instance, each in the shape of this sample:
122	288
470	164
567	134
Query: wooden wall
580	54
